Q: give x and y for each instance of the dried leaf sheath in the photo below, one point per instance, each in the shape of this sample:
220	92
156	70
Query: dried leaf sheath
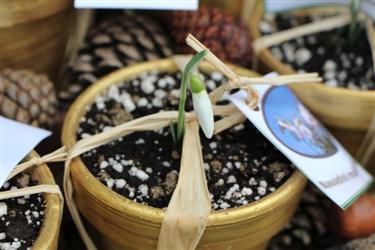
187	214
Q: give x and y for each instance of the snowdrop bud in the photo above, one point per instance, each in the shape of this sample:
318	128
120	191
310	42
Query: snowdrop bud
202	106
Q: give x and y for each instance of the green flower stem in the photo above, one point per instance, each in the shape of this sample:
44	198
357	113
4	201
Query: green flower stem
354	26
188	71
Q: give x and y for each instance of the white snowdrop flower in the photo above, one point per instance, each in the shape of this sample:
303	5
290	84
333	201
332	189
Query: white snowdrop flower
202	106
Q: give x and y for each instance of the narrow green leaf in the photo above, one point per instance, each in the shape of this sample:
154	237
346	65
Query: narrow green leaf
354	25
173	132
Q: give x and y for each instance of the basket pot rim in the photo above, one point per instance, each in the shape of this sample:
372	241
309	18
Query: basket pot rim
148	214
49	232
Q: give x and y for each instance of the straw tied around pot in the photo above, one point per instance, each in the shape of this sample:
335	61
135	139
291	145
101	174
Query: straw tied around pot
56	156
187	213
31	219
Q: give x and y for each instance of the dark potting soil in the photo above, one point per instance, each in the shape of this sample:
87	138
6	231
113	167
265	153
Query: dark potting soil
20	218
328	53
310	227
241	165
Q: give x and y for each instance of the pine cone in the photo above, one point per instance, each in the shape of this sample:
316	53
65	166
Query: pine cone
228	38
27	97
111	45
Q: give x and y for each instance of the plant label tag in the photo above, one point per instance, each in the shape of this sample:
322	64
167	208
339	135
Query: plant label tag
137	4
292	129
16	141
275	6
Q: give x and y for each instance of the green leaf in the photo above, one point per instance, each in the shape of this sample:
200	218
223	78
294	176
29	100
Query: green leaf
173	131
186	75
354	25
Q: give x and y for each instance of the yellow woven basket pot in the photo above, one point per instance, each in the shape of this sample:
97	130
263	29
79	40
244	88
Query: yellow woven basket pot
34	34
337	107
124	224
49	233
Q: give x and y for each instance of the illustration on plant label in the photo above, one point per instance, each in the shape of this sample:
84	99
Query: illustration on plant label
294	126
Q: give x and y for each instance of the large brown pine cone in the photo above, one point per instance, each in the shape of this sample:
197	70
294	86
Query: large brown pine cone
27	97
225	36
113	44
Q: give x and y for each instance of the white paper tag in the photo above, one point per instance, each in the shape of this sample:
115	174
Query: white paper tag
280	6
137	4
288	125
16	141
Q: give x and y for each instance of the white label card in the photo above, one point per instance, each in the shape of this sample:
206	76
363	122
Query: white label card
288	125
368	6
16	141
137	4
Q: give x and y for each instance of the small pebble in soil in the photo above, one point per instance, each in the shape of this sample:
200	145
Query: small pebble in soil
328	53
20	218
241	165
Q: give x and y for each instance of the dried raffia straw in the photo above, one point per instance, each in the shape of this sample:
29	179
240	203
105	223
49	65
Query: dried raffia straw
56	156
303	30
187	213
236	81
